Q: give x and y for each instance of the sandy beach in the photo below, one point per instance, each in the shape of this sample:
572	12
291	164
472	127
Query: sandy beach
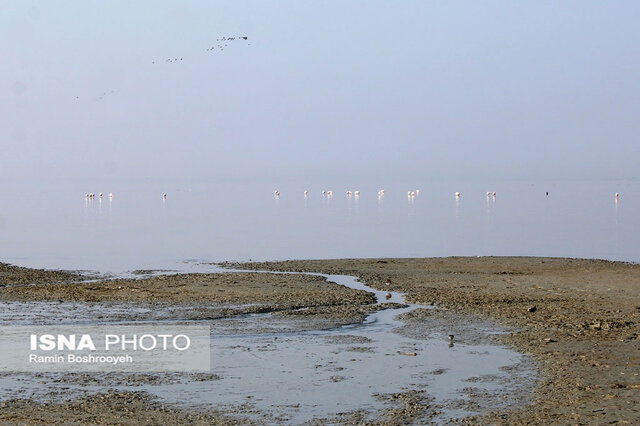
577	319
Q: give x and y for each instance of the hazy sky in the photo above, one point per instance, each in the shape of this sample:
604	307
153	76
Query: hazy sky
343	89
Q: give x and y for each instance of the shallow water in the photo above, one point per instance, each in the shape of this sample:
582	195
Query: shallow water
52	225
265	363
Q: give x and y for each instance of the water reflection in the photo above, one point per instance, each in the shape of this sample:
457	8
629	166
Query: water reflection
219	221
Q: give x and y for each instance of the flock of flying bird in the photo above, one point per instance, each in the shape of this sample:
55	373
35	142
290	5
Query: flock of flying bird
221	44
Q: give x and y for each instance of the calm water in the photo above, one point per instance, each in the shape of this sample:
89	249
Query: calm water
52	225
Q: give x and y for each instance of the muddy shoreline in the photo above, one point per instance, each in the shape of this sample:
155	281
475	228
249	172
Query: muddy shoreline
579	320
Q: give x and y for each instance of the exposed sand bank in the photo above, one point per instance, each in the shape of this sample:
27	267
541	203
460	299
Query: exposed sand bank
294	290
207	296
15	275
